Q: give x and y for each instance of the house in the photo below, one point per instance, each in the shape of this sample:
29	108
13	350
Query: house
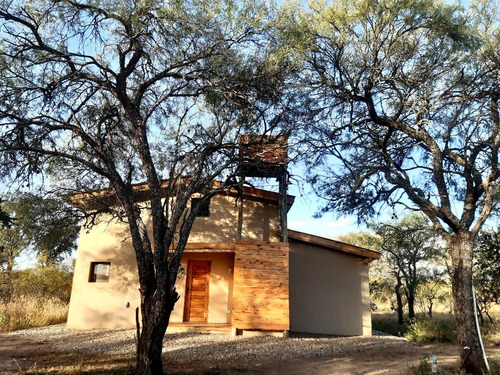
309	284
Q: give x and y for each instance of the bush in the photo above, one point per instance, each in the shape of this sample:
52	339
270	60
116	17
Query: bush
423	368
425	330
28	312
34	298
44	282
388	323
491	332
494	366
441	328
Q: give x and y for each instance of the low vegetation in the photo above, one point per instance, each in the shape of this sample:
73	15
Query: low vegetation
422	329
30	311
34	297
78	363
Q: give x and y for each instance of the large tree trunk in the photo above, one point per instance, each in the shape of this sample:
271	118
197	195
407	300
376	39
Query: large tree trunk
155	318
399	299
410	296
461	246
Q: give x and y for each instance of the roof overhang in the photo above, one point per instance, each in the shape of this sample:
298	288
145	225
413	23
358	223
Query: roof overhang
367	254
100	199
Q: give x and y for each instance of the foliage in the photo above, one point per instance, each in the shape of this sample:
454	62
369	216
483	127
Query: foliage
487	271
28	312
34	297
494	366
363	239
381	290
433	291
422	329
388	323
5	219
408	251
12	241
39	283
46	225
425	330
423	367
491	332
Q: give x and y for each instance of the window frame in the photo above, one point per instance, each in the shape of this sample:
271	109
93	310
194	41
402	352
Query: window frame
93	276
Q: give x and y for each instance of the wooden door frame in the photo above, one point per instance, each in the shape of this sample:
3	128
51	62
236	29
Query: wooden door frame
189	282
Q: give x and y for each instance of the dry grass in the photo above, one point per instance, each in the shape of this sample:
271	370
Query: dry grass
28	312
79	363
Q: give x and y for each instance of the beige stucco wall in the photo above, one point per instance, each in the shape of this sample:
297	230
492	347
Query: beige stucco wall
329	291
220	287
260	222
102	305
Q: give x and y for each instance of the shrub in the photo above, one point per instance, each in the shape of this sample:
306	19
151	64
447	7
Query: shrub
494	366
34	297
28	312
423	368
52	282
388	323
491	332
424	330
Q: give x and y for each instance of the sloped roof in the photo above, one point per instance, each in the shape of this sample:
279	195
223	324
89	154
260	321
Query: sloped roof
367	254
105	197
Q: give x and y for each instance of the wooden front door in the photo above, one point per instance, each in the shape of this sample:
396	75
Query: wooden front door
197	285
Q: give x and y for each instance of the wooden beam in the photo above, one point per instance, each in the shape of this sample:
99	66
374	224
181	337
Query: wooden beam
220	246
106	197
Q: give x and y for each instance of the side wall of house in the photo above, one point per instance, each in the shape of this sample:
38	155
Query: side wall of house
104	304
329	291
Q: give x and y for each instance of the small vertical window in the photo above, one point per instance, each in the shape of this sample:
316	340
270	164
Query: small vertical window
99	272
204	207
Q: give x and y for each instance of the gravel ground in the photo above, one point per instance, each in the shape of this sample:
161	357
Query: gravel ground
214	347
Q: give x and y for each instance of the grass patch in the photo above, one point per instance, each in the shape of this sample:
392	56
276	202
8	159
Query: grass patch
29	311
78	363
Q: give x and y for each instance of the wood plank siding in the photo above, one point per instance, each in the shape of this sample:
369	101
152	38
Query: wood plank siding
261	286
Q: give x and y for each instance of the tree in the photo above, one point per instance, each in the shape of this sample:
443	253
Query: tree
107	94
434	287
408	249
50	225
12	243
403	101
487	271
47	226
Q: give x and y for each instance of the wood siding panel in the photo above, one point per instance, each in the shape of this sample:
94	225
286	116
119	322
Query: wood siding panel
261	286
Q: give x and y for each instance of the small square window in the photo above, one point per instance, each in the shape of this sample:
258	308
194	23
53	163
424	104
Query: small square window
99	272
204	210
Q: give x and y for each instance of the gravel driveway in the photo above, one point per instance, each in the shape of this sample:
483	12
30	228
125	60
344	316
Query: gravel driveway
213	347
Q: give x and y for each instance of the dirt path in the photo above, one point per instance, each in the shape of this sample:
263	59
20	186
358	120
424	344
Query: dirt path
18	354
371	362
22	353
387	361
